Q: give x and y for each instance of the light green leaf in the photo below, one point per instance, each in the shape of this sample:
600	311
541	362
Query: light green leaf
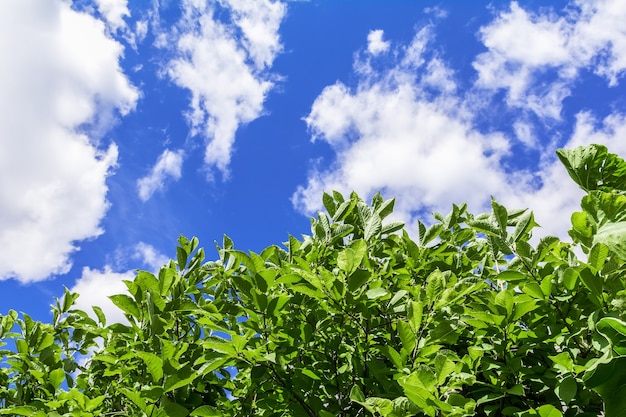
392	227
373	227
613	235
310	374
549	410
415	311
349	259
153	363
523	226
126	304
376	293
56	377
356	394
597	256
407	336
20	410
511	276
206	411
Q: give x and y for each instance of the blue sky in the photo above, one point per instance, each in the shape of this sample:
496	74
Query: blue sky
126	123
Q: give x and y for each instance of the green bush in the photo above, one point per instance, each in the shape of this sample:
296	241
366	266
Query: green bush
356	319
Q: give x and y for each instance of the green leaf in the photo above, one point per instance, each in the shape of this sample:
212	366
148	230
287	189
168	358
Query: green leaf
357	279
523	226
172	409
126	304
134	396
373	227
566	389
533	289
563	361
501	215
376	293
153	363
356	394
100	314
310	374
614	330
613	235
592	167
415	311
431	233
570	277
597	256
56	377
20	410
386	208
181	256
434	285
349	259
594	283
392	227
206	411
608	378
511	276
329	203
549	410
407	336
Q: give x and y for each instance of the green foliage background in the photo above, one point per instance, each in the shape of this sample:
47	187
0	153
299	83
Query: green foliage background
356	319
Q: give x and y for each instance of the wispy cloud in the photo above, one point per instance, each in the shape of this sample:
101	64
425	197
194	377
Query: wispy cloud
526	47
167	166
114	12
60	74
225	68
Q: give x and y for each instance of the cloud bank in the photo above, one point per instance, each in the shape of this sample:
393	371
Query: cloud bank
60	74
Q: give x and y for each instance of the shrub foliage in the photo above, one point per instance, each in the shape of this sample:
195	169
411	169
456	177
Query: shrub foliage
465	317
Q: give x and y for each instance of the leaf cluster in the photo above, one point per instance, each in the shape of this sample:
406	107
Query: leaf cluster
358	318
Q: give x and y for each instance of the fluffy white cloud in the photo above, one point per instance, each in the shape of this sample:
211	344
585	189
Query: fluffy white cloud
224	65
167	166
522	46
391	134
96	286
60	73
375	43
114	12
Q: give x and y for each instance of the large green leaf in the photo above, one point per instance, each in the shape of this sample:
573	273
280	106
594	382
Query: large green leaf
608	378
126	304
613	235
592	167
153	363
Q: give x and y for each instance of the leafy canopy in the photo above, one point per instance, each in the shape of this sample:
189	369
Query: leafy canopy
356	319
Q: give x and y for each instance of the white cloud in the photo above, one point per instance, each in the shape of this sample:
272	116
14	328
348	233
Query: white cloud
523	46
375	43
391	133
150	256
114	12
60	74
167	166
224	65
96	286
